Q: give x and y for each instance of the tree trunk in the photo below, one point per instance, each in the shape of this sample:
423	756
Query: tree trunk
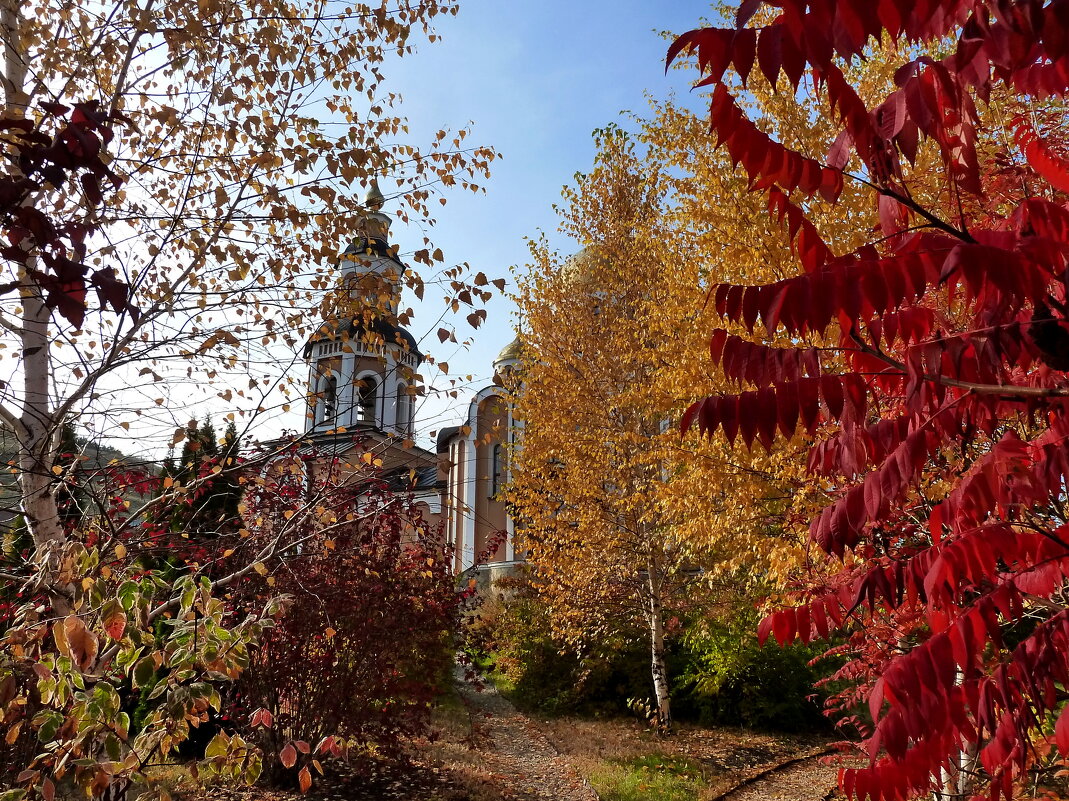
14	77
959	779
35	430
657	665
38	437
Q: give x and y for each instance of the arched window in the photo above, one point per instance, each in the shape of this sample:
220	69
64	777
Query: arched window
369	393
404	411
330	398
497	468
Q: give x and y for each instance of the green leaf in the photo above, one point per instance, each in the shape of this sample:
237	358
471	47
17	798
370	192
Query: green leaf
48	723
145	672
218	746
127	595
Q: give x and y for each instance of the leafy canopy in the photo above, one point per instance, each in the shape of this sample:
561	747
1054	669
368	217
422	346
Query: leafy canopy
926	368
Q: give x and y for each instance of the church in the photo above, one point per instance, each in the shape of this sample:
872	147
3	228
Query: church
363	384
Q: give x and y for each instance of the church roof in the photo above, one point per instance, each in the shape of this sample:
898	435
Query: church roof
444	435
511	352
410	479
357	332
369	247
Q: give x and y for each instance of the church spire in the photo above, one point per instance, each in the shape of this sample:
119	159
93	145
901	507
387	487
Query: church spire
374	199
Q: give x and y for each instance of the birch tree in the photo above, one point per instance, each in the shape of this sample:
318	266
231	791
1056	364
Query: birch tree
591	480
241	137
178	180
627	521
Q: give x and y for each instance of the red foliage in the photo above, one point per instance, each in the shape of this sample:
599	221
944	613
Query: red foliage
51	254
940	413
362	645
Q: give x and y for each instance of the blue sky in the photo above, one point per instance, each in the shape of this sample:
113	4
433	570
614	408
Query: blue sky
535	79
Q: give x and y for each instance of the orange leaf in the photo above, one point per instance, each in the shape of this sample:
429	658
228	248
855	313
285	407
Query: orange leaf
288	756
81	641
305	777
115	625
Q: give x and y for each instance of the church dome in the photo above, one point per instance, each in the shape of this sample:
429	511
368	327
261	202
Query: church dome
510	355
583	269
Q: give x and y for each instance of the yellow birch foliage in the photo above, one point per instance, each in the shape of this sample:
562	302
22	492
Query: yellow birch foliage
254	129
618	510
617	342
619	334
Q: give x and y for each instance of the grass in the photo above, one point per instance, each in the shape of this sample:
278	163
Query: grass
449	714
654	776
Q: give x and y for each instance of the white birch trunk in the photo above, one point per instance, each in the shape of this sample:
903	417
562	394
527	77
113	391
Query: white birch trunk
657	664
35	429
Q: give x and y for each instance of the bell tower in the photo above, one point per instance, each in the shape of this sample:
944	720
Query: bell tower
362	365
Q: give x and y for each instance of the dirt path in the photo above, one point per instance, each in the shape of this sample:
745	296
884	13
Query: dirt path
518	753
804	780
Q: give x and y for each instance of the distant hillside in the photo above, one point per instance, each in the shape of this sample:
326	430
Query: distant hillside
93	455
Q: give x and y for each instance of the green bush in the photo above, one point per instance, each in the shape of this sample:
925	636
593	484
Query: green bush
719	674
728	679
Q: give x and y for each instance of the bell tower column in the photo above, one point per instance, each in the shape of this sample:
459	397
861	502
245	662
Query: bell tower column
346	392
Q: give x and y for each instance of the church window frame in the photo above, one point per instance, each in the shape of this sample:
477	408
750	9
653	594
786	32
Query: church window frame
368	390
496	469
403	408
329	398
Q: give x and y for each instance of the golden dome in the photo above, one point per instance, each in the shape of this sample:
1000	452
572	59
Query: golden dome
512	352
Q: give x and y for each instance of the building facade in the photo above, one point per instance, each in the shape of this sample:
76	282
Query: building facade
363	383
476	456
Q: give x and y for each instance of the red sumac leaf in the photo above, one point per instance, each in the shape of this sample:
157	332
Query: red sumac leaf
764	628
784	625
839	154
729	417
716	345
770	52
831	389
787	408
689	416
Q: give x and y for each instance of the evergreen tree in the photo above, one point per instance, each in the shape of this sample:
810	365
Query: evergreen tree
215	499
70	494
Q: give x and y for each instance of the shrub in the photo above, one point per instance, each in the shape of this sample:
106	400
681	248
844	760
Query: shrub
512	627
727	678
724	677
356	656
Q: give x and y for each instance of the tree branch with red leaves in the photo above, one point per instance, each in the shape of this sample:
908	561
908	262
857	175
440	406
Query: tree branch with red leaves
929	364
